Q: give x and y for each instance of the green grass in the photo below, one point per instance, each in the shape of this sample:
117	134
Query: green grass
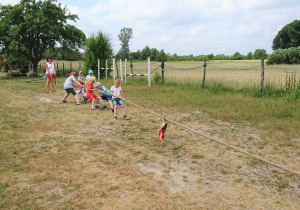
55	155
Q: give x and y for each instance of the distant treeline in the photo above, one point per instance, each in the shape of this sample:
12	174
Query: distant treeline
159	55
287	56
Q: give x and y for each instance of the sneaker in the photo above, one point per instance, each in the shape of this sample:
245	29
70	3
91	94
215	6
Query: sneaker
63	101
53	91
78	103
103	107
115	117
93	108
125	117
47	91
83	102
97	106
112	109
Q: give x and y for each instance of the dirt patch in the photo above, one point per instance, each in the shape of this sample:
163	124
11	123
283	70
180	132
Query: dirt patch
45	100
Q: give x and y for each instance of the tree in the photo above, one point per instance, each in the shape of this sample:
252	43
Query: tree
31	27
237	56
145	53
288	36
124	37
98	46
161	56
249	56
61	54
260	53
153	53
210	56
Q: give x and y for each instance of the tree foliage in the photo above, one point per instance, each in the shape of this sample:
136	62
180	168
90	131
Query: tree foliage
31	27
124	37
98	46
260	53
237	56
288	36
60	53
286	56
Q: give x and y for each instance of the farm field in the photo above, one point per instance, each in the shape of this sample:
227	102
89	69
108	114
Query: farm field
235	73
63	156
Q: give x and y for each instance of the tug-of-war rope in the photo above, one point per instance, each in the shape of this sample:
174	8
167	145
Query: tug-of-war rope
161	133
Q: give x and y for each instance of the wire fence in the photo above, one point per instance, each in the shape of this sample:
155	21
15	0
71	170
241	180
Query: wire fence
231	73
235	73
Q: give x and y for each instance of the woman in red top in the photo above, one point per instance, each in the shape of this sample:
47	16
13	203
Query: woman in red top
90	94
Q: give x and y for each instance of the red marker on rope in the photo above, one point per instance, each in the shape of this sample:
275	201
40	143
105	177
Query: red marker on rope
162	130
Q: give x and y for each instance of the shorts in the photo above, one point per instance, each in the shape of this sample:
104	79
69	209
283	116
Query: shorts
106	97
48	76
92	96
117	101
70	90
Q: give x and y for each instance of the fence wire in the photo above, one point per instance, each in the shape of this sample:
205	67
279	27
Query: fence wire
230	73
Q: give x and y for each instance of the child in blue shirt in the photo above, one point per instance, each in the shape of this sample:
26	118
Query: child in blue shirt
105	95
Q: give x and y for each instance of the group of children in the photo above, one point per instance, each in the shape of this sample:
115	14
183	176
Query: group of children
86	89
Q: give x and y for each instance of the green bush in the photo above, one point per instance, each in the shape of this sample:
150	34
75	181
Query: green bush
157	78
285	56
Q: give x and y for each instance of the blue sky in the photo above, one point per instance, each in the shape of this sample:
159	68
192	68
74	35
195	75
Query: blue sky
187	27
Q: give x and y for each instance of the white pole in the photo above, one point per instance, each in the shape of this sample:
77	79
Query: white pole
114	67
149	77
98	69
106	64
121	70
125	70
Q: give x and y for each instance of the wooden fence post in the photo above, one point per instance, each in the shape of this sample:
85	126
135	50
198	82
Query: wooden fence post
57	69
204	73
162	71
63	68
262	75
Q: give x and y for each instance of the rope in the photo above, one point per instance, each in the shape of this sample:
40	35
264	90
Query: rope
220	142
185	69
253	67
155	69
281	68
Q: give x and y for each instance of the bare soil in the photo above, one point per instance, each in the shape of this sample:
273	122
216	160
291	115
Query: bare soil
63	156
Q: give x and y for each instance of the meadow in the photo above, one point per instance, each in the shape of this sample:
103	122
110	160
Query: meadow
63	156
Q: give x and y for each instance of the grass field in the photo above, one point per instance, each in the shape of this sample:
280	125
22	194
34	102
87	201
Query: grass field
63	156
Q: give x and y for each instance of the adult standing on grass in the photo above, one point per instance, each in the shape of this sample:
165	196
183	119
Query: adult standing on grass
50	74
68	85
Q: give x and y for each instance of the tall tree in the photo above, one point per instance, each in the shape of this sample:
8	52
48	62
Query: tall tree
98	46
31	27
124	37
249	56
153	53
288	36
260	53
145	53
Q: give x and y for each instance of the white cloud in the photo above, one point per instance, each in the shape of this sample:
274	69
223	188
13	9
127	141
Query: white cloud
187	26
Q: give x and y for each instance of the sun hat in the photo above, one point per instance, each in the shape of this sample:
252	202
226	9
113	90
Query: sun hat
73	73
91	71
98	84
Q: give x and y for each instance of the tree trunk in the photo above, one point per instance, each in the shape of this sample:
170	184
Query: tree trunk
34	65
